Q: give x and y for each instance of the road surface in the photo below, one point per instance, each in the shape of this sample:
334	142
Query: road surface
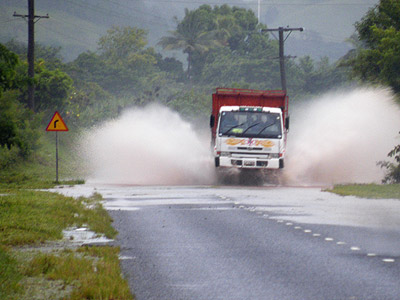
255	243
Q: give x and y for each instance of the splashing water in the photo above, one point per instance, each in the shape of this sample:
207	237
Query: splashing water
337	138
340	137
148	146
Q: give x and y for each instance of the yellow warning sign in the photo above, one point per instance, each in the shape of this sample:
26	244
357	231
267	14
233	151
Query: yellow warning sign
57	123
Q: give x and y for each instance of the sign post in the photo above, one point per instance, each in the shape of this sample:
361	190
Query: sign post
57	124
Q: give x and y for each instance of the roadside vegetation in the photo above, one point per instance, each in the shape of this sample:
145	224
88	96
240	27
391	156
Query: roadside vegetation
371	191
31	221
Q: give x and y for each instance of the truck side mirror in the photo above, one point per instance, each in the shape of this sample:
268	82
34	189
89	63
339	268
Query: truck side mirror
212	121
287	123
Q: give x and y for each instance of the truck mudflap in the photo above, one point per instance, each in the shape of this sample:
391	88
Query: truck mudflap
248	163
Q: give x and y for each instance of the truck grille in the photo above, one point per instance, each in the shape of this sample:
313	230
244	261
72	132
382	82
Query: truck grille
250	149
251	153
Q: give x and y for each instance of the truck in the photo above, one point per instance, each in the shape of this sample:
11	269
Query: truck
249	128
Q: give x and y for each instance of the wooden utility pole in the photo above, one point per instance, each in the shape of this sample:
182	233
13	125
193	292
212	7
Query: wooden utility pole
282	40
31	49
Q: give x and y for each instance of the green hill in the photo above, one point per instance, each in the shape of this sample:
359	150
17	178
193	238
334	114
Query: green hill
76	25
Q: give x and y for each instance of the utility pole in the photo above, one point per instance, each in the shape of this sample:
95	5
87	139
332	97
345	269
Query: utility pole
31	48
282	40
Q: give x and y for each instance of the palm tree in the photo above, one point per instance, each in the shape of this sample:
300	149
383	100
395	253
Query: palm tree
191	35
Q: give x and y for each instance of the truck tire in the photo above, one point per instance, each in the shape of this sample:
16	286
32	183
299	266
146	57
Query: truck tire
217	162
281	164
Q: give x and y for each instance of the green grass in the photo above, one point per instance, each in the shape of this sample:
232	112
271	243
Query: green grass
372	191
28	217
39	171
93	271
9	275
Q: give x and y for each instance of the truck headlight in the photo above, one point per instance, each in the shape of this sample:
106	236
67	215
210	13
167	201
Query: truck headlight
274	155
225	154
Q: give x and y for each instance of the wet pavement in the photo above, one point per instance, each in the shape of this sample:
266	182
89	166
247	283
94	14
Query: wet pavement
253	242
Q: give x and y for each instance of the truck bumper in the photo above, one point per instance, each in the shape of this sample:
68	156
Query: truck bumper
248	163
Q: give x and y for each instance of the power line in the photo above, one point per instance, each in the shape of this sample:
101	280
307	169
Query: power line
265	4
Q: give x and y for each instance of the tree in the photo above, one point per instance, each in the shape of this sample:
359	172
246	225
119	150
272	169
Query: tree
52	87
8	64
50	54
126	60
52	90
195	33
379	61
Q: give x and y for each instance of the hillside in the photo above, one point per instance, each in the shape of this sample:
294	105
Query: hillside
76	25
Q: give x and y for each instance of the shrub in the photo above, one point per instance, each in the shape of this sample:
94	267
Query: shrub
393	169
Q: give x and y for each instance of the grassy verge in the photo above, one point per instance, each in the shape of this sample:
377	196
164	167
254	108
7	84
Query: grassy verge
32	218
39	171
372	191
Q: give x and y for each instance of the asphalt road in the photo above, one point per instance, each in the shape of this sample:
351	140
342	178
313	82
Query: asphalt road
255	243
214	243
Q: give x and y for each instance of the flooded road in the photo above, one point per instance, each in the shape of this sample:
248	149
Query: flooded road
228	242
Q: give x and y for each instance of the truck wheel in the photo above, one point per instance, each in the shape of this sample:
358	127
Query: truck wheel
281	163
217	162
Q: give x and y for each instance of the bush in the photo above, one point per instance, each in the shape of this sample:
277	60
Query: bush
19	132
393	169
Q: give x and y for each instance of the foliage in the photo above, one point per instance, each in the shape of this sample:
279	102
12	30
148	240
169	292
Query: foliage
52	87
196	33
52	90
206	29
191	104
18	130
127	60
50	54
8	64
393	169
318	76
379	61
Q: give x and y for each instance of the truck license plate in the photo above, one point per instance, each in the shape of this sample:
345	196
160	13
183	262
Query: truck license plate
249	163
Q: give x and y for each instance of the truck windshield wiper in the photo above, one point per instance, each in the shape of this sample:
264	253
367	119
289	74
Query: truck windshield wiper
265	128
233	127
251	126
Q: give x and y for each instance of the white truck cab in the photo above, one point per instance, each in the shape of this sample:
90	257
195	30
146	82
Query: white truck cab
250	137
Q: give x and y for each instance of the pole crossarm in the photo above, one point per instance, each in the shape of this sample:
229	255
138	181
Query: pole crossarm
35	17
283	29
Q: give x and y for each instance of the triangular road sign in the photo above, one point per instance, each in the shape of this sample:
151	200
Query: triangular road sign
57	123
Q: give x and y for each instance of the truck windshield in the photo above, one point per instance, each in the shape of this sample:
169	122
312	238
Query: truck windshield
250	124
